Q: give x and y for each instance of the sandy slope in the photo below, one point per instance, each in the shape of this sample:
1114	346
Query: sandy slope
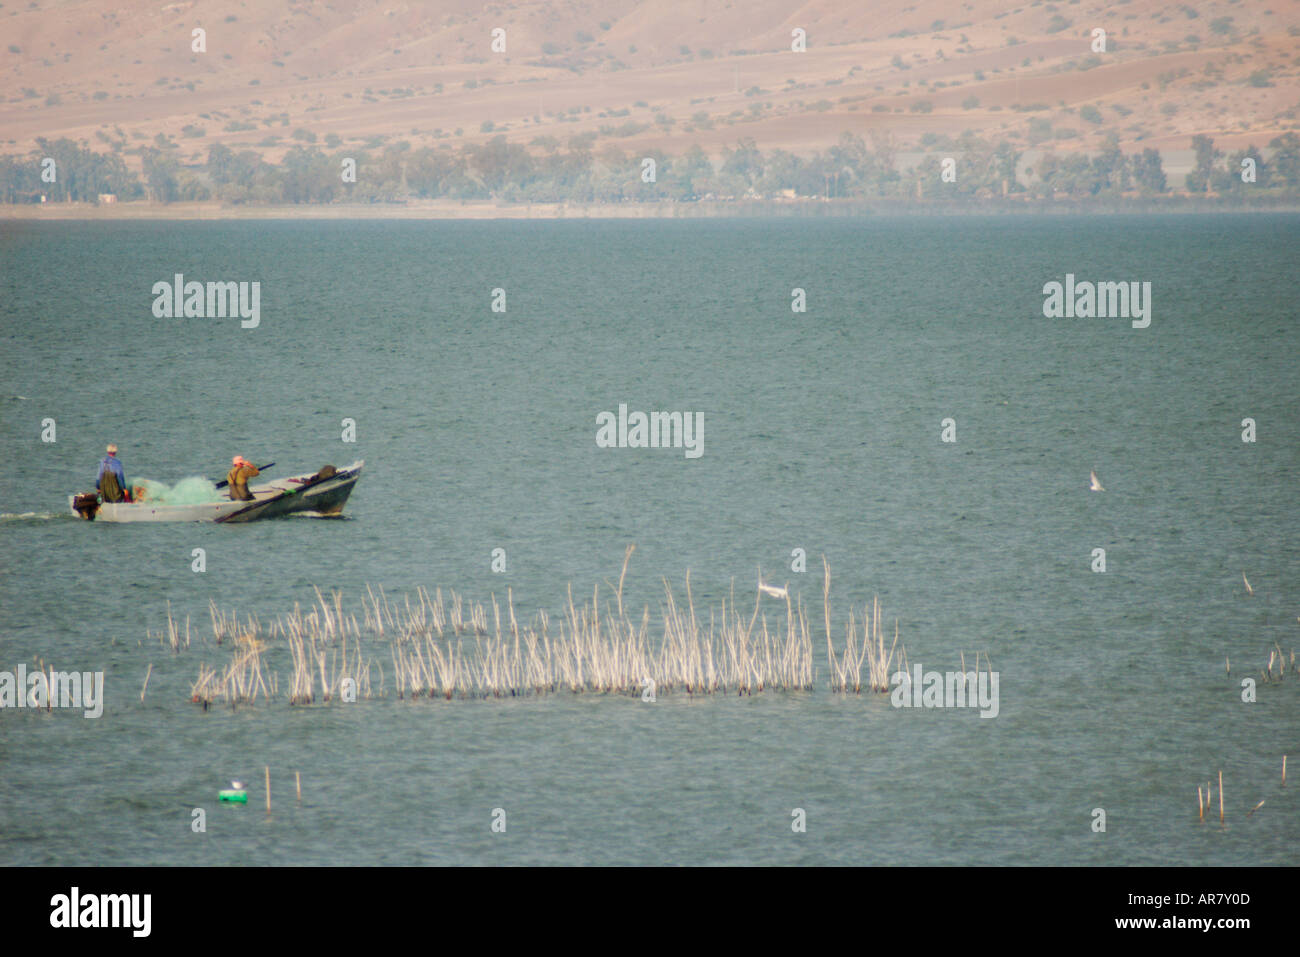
719	70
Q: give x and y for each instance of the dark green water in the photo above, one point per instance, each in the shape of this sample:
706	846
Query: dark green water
821	432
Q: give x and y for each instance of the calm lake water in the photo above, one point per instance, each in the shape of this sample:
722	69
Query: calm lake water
822	432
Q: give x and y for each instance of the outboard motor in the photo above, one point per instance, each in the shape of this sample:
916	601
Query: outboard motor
86	505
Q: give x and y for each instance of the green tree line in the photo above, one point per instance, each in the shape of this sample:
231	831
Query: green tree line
549	171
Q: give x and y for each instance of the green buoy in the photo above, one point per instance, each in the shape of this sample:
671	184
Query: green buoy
235	794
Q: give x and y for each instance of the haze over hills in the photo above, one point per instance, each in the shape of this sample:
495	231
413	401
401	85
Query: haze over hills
647	75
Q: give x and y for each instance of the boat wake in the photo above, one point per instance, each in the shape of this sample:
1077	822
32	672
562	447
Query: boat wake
32	516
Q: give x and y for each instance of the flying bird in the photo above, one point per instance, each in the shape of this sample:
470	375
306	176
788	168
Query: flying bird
1096	486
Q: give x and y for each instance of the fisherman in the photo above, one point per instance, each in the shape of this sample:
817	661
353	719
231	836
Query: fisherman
238	477
111	480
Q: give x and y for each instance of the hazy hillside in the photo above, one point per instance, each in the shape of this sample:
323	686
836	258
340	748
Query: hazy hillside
647	75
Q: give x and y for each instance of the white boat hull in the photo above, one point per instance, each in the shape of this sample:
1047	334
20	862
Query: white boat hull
292	495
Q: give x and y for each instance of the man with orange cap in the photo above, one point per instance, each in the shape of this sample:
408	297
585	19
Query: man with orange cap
238	477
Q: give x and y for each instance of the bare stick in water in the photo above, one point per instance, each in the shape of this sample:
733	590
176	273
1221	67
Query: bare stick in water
627	557
268	789
150	671
826	608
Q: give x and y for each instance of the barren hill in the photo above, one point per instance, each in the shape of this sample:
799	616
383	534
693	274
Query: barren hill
645	75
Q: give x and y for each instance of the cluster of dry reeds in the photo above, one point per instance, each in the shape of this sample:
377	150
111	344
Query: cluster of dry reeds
171	636
1205	797
240	682
846	670
318	646
449	647
1276	656
227	625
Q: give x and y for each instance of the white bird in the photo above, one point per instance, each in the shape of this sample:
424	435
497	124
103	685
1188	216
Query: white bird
1096	486
1249	590
773	590
236	785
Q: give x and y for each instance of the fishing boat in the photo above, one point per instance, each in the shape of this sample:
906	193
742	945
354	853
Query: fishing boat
321	493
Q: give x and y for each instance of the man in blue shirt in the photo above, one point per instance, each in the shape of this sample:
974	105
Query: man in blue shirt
111	480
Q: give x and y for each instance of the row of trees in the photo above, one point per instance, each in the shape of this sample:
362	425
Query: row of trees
77	174
1245	169
1107	173
547	171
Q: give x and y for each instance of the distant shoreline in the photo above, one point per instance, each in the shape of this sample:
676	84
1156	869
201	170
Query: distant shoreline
186	212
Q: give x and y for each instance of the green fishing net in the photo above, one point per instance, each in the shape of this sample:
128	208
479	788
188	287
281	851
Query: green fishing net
194	490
